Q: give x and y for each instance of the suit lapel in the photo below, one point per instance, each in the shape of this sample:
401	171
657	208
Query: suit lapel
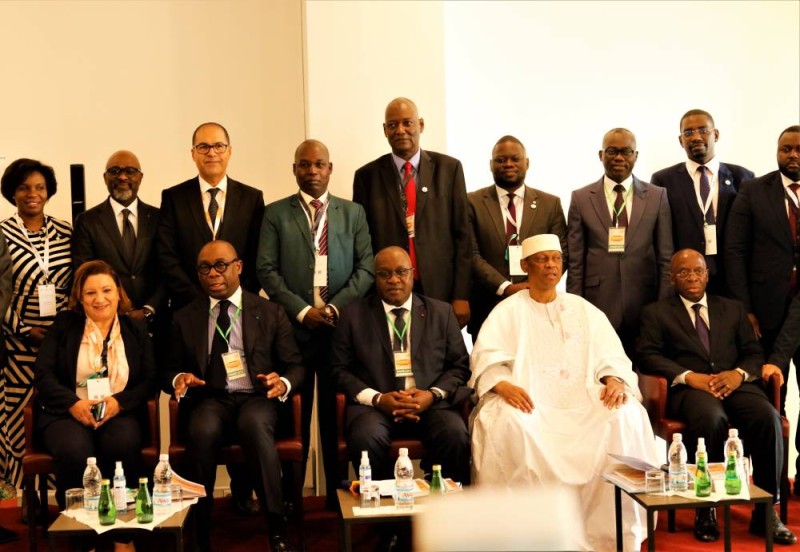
682	316
249	329
685	187
109	223
597	197
638	208
391	184
301	220
199	325
418	328
427	167
726	193
336	222
147	224
492	204
379	326
193	197
774	190
529	213
233	201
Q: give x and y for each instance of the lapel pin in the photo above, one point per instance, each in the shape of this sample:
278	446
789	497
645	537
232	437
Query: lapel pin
727	182
424	189
533	205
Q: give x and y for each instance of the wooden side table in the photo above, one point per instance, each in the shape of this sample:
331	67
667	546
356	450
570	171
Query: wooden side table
347	518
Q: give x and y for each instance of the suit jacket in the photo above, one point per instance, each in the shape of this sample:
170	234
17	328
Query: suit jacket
266	333
759	251
285	262
788	340
489	264
441	219
687	218
183	231
669	344
361	355
96	235
619	284
57	367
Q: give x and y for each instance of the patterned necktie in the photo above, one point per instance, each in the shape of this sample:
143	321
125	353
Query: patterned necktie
410	190
323	241
702	329
213	206
618	207
128	236
794	228
705	191
399	324
216	368
511	230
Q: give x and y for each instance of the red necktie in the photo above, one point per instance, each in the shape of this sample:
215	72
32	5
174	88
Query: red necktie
618	207
511	230
411	208
323	240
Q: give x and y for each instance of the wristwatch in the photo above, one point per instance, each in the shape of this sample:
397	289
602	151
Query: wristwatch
149	315
437	395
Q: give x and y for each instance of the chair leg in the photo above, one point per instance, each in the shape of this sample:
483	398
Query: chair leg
30	499
297	483
671	521
43	511
785	482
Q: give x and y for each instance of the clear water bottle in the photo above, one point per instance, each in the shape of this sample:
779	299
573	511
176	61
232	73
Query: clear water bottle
404	481
678	473
162	483
734	474
91	484
702	477
120	490
364	479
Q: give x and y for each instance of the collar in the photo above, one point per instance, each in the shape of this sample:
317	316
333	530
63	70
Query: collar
609	184
117	207
308	199
399	161
235	298
503	193
688	304
786	180
387	308
205	186
712	166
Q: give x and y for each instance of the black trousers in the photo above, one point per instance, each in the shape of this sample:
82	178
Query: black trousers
249	420
747	409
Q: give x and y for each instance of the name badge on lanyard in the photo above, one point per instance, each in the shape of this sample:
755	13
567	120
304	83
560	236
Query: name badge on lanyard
616	239
320	270
45	291
317	223
402	364
514	260
47	299
710	235
234	367
98	389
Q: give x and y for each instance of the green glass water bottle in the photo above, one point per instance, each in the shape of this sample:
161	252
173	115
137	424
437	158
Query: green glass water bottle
106	511
144	503
437	485
702	477
733	481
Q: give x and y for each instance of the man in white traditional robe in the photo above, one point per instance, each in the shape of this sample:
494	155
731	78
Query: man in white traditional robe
557	395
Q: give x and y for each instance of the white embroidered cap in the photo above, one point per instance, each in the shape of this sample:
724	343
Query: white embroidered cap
539	243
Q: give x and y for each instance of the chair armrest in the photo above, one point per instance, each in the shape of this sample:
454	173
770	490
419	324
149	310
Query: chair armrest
297	416
654	398
774	391
340	404
174	434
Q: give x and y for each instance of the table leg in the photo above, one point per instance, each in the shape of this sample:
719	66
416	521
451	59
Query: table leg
345	542
651	530
767	525
726	513
618	516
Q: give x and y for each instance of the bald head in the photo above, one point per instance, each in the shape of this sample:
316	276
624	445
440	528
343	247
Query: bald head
312	167
402	127
310	144
123	176
689	274
618	154
394	276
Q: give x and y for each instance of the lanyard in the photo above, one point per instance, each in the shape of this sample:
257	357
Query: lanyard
624	203
43	263
226	334
318	222
507	217
511	238
399	335
217	221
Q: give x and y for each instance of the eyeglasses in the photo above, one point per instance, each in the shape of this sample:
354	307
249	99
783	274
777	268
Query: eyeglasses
305	165
543	259
386	274
702	131
219	147
219	266
613	152
684	273
129	171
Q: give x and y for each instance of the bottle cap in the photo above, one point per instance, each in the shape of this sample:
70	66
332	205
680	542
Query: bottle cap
733	432
701	444
105	482
143	480
118	469
364	458
404	452
163	458
91	461
677	437
437	467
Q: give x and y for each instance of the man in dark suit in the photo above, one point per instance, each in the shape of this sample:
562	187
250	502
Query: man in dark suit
619	234
206	207
125	240
705	347
315	257
399	384
232	359
701	192
499	227
762	254
428	219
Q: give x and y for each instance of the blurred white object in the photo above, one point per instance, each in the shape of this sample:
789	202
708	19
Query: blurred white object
482	519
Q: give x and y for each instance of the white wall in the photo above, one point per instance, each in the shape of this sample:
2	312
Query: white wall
82	79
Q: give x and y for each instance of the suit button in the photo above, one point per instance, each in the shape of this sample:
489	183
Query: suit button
311	266
133	277
310	292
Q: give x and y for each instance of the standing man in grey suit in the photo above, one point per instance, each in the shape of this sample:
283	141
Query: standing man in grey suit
763	249
315	257
620	239
427	218
701	192
501	217
122	231
210	206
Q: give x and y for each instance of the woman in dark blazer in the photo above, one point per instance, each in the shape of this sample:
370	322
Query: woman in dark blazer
94	354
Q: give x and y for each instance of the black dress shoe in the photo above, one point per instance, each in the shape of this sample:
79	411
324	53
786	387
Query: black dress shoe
245	506
389	542
279	542
780	533
705	525
7	536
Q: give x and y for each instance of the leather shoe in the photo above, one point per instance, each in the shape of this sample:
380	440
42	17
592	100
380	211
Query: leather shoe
389	542
279	542
7	536
245	506
705	525
780	533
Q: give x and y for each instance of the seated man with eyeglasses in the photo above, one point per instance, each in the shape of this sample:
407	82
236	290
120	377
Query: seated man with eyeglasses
704	345
231	360
400	359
